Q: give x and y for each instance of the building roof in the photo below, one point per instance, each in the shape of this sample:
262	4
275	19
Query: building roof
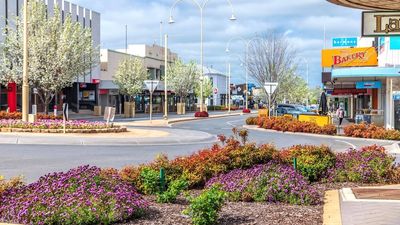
211	71
369	4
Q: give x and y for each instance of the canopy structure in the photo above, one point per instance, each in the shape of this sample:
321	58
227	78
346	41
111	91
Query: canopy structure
369	4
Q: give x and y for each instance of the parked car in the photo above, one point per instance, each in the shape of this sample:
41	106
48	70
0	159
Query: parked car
280	111
293	110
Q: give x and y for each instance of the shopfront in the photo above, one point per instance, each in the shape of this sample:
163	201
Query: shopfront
372	94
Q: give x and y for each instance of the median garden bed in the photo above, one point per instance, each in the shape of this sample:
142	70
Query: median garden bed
234	182
289	124
57	126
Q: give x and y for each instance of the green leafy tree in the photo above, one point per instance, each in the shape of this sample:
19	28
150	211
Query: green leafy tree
130	76
207	87
292	88
314	95
182	78
59	52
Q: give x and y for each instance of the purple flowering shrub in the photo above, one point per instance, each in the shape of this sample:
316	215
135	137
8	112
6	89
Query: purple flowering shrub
365	165
272	182
80	196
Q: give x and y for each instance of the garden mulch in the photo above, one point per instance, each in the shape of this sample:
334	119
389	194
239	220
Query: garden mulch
242	213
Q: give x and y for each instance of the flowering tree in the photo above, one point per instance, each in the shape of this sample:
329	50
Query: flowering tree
59	52
207	87
182	78
130	76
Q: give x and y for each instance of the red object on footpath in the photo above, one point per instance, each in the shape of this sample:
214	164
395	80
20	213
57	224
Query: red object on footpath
246	111
12	97
201	114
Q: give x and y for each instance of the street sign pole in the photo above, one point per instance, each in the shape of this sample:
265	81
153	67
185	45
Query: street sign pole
270	88
152	86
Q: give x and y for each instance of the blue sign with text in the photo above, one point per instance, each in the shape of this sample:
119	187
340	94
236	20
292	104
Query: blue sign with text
345	42
368	84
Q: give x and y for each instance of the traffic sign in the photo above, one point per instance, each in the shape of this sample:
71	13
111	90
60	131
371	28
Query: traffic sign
270	88
215	91
151	85
345	42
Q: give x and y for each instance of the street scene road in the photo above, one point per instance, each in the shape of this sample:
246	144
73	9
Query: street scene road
35	160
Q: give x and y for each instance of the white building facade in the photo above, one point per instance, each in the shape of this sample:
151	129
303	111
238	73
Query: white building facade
220	86
84	91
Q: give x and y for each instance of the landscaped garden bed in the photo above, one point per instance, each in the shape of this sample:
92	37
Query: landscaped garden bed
289	124
57	126
18	116
234	182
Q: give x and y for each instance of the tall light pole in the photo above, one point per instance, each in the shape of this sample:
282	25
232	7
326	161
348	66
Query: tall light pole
247	43
165	78
25	79
201	6
307	74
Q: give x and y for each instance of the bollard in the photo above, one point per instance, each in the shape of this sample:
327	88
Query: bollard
295	164
162	180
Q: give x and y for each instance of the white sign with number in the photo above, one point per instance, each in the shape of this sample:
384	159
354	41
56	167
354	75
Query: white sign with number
151	85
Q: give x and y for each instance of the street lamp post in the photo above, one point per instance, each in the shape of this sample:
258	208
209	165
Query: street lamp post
165	78
307	74
247	43
25	80
201	6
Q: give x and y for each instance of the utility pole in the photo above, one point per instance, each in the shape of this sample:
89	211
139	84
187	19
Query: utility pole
25	85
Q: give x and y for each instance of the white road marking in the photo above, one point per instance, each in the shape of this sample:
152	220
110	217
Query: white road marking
346	142
230	123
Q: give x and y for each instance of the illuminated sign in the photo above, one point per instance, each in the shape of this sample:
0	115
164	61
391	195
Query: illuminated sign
349	57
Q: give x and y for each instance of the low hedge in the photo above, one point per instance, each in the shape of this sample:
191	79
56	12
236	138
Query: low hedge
18	116
371	131
289	124
201	115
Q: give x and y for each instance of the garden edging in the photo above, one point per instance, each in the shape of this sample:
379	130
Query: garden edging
255	127
332	213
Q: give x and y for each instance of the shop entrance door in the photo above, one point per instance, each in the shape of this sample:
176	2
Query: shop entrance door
397	114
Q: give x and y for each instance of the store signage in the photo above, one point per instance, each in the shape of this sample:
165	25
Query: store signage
349	91
349	57
368	84
380	23
345	42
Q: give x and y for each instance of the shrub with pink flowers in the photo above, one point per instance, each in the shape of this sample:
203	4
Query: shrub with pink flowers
80	196
367	165
272	182
52	124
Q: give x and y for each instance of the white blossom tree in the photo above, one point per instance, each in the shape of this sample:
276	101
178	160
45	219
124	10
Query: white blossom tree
59	52
182	78
207	87
130	76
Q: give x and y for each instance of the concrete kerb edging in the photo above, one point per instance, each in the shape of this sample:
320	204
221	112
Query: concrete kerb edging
332	210
253	127
170	122
347	195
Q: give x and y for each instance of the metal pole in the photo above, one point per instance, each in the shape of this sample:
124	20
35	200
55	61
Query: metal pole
201	58
247	75
229	89
161	29
165	78
25	86
151	106
269	104
226	80
126	39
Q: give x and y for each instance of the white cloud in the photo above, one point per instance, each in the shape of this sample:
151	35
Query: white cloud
303	22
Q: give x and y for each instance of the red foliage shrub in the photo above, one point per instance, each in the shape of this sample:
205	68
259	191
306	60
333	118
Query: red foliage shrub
18	116
292	125
371	131
246	111
201	114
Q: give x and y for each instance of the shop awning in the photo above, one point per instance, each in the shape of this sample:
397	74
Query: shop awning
361	72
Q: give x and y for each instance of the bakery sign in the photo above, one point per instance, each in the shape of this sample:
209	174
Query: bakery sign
349	57
380	23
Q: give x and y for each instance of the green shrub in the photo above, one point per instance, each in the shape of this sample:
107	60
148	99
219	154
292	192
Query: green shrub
174	190
312	161
204	209
150	181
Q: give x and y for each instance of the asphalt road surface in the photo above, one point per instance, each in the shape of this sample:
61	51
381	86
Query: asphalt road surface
33	161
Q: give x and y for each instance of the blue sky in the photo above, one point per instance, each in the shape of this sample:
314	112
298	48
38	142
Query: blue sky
302	20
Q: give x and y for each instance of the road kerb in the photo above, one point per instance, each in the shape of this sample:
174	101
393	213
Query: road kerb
253	127
332	213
